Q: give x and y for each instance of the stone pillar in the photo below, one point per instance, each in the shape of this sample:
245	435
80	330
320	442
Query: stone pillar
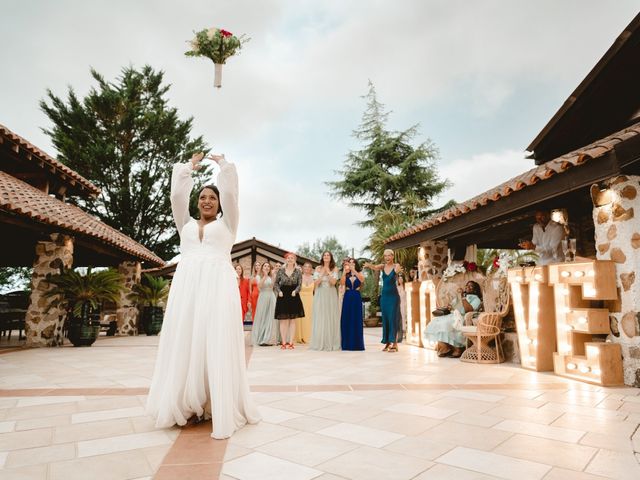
432	259
43	325
127	313
616	216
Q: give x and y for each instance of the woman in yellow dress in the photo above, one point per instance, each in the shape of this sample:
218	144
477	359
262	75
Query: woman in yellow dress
303	325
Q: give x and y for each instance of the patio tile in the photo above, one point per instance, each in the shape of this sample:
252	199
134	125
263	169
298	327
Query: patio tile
551	452
420	447
307	448
43	422
96	416
529	414
493	464
32	472
612	464
276	415
401	423
421	410
477	419
372	464
91	431
446	472
195	448
121	443
189	472
6	427
564	474
114	466
538	430
346	412
48	400
363	435
234	451
301	404
620	443
252	436
335	397
260	466
41	455
308	423
27	439
466	435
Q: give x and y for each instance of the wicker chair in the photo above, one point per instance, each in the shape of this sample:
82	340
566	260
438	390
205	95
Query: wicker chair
484	327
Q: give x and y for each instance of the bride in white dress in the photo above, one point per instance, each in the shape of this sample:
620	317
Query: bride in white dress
200	365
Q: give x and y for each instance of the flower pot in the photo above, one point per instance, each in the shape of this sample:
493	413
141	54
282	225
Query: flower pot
371	322
152	318
84	330
217	78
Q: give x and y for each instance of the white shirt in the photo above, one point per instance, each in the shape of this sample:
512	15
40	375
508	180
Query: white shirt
547	241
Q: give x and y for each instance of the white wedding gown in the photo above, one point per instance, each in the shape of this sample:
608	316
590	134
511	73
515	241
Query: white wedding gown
201	362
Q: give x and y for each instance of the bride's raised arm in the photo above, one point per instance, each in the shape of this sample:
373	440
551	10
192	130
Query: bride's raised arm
228	186
181	185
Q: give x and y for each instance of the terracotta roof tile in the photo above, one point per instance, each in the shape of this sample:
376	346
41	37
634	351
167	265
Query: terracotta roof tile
67	174
23	199
531	177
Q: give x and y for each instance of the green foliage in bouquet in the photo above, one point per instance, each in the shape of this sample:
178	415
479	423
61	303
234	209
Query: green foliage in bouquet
216	44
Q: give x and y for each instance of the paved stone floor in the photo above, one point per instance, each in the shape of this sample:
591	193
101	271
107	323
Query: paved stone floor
77	413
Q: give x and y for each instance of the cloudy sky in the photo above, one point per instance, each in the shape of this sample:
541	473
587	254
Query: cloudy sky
480	77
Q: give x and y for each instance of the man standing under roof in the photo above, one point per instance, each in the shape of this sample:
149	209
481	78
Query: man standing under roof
547	239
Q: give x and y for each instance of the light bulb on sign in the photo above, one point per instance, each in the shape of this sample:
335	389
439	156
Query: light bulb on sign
565	274
579	274
596	371
571	366
537	277
591	273
585	368
582	320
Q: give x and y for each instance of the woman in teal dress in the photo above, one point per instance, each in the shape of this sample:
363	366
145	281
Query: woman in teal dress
326	316
389	302
451	342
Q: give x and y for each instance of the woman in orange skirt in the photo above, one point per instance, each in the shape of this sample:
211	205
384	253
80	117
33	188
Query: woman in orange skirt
243	285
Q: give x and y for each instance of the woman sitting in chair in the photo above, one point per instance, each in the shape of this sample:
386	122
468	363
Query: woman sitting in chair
451	342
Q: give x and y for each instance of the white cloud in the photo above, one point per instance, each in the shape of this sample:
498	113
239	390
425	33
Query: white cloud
479	173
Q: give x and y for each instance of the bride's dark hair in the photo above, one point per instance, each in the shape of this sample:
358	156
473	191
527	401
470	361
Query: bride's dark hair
217	192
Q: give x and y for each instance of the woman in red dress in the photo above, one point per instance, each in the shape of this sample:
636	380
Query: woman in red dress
243	285
254	290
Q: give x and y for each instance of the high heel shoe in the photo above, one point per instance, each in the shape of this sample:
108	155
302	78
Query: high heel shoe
283	346
290	346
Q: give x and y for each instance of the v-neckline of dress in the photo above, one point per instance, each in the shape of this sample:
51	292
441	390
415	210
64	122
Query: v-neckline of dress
201	230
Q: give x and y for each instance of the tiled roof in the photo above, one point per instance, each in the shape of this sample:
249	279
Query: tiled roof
22	199
531	177
60	169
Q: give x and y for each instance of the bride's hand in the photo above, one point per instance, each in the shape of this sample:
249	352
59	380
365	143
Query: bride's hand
196	158
216	158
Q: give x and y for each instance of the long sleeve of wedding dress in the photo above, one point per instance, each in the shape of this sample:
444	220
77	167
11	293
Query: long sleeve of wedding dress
228	186
181	186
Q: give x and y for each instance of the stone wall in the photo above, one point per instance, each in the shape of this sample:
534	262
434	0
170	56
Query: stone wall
246	263
43	324
616	216
127	313
432	259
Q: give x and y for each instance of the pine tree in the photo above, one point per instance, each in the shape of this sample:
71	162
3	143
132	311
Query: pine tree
124	137
388	171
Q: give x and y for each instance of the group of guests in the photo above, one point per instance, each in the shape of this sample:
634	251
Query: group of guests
321	307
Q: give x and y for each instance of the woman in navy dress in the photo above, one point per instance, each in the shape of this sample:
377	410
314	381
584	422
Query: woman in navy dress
389	302
351	318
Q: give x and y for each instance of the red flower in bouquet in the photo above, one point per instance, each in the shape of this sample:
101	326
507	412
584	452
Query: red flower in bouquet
472	267
496	262
225	33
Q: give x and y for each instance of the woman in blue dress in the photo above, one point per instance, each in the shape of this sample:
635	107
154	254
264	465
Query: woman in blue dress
451	341
389	302
351	318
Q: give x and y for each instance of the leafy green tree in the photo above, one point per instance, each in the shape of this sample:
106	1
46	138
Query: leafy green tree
389	171
14	278
124	137
320	246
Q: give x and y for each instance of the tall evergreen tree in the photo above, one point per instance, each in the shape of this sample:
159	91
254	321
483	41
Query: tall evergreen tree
389	171
124	137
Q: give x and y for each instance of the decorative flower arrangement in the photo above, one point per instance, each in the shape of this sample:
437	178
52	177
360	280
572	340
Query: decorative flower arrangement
217	45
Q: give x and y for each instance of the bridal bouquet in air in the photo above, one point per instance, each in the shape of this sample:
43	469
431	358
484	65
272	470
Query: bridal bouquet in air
217	45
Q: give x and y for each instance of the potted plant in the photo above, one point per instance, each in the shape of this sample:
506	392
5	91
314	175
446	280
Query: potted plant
82	297
150	293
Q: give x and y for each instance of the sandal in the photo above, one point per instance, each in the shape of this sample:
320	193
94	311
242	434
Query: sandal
393	349
290	346
386	348
283	346
457	352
